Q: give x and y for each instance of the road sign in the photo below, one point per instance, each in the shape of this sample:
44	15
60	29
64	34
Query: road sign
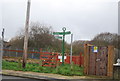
57	33
95	49
68	32
61	33
60	57
58	37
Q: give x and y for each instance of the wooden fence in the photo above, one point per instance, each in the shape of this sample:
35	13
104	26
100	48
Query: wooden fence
79	60
98	63
49	59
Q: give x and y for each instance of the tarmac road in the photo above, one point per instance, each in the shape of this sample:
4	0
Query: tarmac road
11	78
14	78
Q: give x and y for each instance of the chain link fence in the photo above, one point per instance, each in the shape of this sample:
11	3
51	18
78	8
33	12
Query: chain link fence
32	53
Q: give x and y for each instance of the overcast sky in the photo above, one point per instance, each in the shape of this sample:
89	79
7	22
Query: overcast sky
84	18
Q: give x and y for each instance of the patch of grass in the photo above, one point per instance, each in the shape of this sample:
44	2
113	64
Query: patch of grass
66	70
63	70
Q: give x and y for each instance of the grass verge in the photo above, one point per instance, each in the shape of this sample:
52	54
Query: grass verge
63	70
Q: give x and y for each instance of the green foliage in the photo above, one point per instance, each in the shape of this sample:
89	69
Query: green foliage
19	63
66	70
63	70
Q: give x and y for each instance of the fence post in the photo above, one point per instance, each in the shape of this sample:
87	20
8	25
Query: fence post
80	58
40	57
33	54
57	59
9	53
40	52
86	59
16	52
110	60
53	53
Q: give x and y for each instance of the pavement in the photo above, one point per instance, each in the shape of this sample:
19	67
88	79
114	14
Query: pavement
35	75
13	78
39	75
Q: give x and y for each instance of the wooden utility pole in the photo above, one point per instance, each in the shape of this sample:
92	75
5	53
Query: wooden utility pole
26	35
2	44
1	51
3	34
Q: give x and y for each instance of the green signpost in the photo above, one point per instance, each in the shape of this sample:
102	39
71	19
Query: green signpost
62	33
58	37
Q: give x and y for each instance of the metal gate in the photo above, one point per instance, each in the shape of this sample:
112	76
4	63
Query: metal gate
98	62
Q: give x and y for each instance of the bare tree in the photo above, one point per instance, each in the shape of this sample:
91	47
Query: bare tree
40	36
105	39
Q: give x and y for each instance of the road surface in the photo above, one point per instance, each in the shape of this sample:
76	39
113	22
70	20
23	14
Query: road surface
4	77
13	78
